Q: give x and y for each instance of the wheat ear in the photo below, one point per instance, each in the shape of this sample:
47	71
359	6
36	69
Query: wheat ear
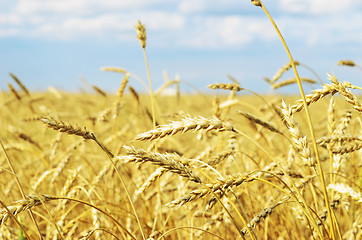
67	128
349	63
185	125
14	92
313	97
117	104
99	91
113	69
226	86
263	214
151	179
21	85
283	70
73	130
342	88
171	162
216	187
299	142
22	205
291	81
260	122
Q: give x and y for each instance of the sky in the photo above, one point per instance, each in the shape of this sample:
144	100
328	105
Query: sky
64	43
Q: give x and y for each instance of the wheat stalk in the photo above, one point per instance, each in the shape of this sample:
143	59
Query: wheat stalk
141	35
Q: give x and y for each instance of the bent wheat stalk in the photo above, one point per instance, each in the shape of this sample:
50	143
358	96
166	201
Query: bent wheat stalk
291	81
70	129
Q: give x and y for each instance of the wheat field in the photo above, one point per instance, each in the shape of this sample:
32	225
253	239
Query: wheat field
228	165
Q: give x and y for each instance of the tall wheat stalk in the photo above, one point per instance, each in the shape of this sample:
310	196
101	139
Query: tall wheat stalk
310	125
141	35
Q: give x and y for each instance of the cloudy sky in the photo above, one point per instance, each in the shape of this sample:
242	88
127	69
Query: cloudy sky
63	43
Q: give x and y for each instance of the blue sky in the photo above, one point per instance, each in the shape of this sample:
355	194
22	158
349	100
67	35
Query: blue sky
59	42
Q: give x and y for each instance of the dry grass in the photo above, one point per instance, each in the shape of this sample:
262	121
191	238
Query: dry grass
196	167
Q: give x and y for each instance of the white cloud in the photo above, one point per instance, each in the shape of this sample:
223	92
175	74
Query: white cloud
8	32
11	19
190	6
318	6
201	24
111	24
229	31
323	31
53	6
162	21
128	4
80	6
69	19
204	6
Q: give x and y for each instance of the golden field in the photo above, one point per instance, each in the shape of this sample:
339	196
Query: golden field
241	167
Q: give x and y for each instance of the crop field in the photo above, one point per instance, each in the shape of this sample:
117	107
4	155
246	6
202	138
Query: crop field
230	164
